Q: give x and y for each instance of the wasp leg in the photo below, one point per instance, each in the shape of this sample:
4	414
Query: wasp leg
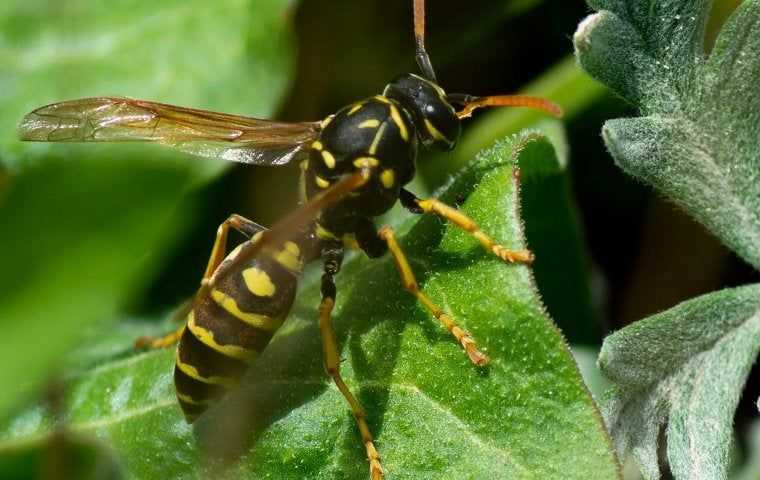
451	214
333	257
281	231
160	342
218	252
410	283
368	240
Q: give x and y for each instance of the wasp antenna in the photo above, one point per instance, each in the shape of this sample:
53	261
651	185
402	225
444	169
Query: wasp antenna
471	103
421	55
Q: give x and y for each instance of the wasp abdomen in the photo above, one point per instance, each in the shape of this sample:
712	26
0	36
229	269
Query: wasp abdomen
231	325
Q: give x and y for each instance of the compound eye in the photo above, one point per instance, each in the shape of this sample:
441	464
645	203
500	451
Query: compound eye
442	132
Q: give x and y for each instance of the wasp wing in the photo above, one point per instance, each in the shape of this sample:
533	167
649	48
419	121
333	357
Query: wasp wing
199	132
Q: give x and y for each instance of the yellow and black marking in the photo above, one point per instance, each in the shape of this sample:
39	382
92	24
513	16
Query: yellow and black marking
388	178
375	134
360	158
233	323
239	314
354	167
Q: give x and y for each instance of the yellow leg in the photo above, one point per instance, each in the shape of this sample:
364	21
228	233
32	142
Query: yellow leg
431	205
292	222
178	315
218	252
410	283
160	342
332	365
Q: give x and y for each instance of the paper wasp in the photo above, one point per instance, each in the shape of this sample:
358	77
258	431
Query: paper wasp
354	165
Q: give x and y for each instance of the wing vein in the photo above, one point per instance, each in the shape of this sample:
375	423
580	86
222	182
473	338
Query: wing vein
199	132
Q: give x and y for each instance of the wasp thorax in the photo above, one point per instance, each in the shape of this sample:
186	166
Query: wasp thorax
435	119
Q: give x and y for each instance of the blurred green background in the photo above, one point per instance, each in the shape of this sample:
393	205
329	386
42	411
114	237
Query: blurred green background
99	232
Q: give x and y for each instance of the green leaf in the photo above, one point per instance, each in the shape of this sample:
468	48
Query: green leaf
685	366
552	226
81	225
528	415
229	55
62	455
74	251
553	232
697	139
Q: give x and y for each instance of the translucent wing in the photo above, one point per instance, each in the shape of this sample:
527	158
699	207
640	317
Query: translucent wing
199	132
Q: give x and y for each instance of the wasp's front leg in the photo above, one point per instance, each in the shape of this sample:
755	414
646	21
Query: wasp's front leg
410	283
451	214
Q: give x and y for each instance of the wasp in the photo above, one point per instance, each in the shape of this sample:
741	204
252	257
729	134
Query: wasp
354	166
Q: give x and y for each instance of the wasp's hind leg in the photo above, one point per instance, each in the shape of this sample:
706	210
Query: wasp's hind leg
333	257
218	252
410	283
247	227
451	214
153	343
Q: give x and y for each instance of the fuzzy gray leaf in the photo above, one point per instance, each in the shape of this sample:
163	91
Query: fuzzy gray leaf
685	366
699	141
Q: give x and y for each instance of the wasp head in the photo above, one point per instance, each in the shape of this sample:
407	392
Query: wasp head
434	117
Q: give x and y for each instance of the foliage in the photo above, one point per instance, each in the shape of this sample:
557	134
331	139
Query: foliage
527	415
82	226
697	143
687	365
81	223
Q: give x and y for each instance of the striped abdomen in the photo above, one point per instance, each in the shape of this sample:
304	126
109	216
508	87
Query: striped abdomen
232	325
